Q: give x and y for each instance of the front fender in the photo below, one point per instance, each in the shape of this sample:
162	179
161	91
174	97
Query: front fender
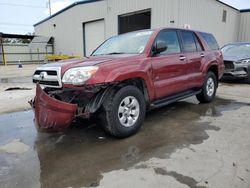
145	76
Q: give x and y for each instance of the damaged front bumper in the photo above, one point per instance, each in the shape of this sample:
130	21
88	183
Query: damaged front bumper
51	114
55	109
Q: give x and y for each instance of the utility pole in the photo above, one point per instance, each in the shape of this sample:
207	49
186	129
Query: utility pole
49	5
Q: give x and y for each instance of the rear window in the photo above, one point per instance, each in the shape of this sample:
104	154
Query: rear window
211	41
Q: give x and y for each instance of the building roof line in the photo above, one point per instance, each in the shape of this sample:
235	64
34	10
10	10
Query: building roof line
66	8
245	10
227	5
7	35
92	1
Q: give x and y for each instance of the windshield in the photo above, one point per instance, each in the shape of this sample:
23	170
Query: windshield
130	43
236	50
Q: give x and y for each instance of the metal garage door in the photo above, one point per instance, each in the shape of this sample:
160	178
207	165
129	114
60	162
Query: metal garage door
94	33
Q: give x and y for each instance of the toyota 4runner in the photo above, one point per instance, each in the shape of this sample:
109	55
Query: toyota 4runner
126	76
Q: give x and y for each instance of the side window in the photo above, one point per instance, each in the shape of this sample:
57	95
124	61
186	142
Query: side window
189	44
210	40
172	41
198	44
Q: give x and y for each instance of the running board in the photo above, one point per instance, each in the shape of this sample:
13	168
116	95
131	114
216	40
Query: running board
173	98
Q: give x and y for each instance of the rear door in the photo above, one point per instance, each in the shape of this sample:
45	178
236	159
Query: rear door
169	67
194	54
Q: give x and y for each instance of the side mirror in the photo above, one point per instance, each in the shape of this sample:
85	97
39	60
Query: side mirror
160	46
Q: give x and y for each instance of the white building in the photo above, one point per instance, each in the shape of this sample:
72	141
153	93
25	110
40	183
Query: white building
81	27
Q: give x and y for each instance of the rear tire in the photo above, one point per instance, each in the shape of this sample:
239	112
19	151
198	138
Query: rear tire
123	112
208	89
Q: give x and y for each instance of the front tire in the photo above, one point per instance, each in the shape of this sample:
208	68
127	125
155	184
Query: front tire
208	89
123	112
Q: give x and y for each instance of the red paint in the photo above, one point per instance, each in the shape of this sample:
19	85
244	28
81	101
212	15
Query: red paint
163	75
52	114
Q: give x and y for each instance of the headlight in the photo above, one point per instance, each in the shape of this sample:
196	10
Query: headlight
245	61
79	75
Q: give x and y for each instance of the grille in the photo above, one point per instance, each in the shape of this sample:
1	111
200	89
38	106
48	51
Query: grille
229	65
52	73
48	83
48	76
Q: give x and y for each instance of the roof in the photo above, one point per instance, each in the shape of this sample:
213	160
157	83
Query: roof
66	8
5	35
245	10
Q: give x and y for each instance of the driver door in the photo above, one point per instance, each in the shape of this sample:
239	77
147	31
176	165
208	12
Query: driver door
169	67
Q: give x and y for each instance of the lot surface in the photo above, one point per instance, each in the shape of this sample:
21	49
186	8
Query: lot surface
14	77
183	145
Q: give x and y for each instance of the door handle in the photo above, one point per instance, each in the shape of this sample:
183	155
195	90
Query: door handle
182	58
202	55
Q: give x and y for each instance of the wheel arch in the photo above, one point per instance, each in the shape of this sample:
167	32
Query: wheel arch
214	69
97	100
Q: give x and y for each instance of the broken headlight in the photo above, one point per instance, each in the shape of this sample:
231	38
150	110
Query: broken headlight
79	75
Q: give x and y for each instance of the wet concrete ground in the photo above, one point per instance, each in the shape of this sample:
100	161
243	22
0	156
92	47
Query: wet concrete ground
14	77
185	144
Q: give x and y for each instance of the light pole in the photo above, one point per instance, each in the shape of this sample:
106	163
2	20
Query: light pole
49	6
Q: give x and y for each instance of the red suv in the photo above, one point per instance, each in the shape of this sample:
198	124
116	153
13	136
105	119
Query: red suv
126	76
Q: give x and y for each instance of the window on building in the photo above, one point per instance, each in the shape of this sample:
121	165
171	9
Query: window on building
172	41
224	16
188	41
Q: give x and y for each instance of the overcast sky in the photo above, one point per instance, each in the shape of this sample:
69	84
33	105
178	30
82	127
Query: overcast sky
19	16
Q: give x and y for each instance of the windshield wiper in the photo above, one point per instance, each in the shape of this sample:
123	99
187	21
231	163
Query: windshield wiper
114	53
111	53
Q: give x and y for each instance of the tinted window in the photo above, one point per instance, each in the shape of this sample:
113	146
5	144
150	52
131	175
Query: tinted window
210	40
172	41
188	41
198	44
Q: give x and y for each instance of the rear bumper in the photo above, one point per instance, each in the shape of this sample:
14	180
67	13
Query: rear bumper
52	114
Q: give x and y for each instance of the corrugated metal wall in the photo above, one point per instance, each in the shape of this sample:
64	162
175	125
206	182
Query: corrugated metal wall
68	30
244	31
205	15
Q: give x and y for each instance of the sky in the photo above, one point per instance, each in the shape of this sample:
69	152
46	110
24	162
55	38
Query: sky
19	16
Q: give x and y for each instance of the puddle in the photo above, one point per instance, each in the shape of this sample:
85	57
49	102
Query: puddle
79	156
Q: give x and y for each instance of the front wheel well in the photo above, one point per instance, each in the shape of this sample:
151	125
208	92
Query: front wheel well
140	84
